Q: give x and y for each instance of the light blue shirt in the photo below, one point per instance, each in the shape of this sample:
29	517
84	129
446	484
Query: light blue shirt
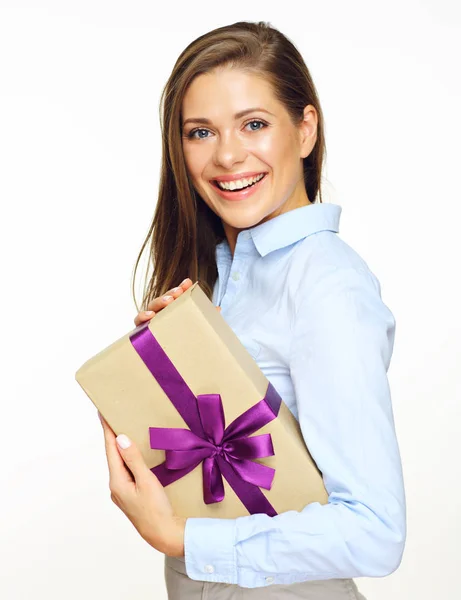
309	310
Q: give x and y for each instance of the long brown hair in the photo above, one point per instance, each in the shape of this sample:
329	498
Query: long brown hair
184	232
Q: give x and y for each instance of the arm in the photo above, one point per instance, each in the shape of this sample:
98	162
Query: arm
341	349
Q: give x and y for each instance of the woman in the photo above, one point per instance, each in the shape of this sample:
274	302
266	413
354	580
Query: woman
240	112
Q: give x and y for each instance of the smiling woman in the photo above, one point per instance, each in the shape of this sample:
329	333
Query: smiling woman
240	210
240	101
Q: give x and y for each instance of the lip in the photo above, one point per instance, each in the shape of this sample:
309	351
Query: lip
243	194
237	176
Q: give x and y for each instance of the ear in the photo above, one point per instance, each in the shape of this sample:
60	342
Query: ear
308	131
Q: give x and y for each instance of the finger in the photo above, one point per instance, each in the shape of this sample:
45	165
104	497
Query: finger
175	292
133	459
155	306
142	316
160	302
118	472
186	283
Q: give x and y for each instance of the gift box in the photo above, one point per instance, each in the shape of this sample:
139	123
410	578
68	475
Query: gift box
207	421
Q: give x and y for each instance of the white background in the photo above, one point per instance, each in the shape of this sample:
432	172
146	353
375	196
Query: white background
80	84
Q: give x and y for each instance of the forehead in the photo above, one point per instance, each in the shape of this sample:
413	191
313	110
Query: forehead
224	92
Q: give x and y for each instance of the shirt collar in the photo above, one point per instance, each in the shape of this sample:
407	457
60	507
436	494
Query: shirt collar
290	227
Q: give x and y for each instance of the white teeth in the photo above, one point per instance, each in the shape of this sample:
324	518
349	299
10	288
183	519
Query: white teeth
239	183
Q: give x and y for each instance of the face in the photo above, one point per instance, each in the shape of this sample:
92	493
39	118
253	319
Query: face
217	142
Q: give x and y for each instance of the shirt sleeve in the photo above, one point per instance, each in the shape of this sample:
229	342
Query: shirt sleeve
342	343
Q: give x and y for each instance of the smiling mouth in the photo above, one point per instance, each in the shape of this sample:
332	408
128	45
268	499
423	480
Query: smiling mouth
247	187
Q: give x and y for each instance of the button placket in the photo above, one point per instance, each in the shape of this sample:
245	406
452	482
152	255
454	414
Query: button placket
236	274
237	268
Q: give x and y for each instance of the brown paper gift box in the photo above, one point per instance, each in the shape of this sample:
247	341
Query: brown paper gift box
211	360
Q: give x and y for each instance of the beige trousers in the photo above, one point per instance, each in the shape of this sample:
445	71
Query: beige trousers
181	587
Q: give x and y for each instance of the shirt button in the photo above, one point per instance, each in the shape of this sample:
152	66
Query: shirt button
209	569
235	275
269	579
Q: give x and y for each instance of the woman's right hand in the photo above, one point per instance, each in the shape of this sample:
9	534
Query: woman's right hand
157	304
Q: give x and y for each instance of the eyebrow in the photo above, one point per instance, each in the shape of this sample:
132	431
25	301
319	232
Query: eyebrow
238	115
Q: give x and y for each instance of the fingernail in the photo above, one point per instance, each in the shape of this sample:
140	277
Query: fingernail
166	298
149	312
123	441
183	282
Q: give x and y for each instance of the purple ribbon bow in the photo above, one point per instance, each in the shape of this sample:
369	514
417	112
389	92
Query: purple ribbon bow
224	452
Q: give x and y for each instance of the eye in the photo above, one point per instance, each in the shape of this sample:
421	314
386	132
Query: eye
256	121
191	134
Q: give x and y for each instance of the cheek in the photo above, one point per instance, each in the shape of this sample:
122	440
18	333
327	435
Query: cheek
272	149
267	144
285	159
196	162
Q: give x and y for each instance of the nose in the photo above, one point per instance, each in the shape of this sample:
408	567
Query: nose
229	150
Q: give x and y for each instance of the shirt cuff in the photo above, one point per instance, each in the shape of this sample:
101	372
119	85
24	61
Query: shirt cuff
209	550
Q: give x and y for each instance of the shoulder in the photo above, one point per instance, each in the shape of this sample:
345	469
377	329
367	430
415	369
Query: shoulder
324	264
338	298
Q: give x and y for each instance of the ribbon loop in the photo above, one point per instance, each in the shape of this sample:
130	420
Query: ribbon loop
212	416
175	439
257	446
181	459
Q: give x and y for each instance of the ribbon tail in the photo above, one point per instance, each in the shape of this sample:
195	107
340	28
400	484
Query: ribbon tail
213	486
167	476
253	472
250	495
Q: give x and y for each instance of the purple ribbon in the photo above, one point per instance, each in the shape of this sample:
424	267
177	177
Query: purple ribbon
224	451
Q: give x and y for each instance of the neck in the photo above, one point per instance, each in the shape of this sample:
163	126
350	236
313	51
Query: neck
232	232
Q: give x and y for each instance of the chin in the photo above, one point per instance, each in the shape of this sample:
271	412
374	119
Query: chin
245	222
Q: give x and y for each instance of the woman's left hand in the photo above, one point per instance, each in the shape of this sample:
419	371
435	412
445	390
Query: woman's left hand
140	495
